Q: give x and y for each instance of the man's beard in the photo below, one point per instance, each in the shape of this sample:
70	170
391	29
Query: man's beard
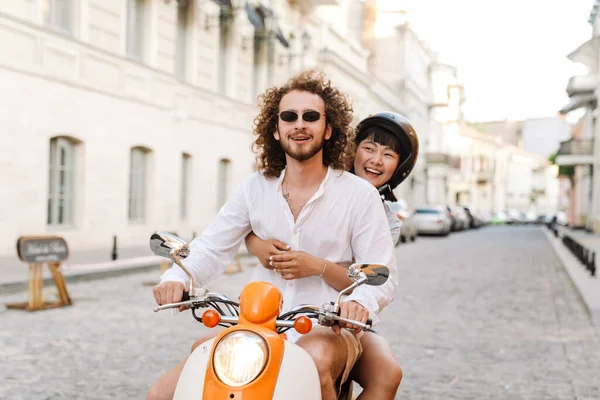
302	154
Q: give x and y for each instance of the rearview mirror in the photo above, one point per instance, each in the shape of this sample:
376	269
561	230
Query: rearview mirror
167	245
371	274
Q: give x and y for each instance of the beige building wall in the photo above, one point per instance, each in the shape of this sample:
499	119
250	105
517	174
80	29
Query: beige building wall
81	86
497	176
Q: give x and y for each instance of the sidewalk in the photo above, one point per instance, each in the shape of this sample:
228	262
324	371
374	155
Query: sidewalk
588	286
84	266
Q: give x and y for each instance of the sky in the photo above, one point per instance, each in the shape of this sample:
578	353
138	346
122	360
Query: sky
511	55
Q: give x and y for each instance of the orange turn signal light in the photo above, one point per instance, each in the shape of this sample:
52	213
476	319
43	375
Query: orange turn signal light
211	318
303	325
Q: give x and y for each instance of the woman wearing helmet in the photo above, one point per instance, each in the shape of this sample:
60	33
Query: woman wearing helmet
386	152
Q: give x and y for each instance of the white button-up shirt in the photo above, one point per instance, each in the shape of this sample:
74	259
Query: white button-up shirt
343	221
393	222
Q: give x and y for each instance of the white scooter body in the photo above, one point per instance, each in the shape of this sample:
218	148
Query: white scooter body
298	377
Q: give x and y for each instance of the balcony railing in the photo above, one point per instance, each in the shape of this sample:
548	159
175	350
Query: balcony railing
483	176
538	191
576	147
575	152
584	84
443	159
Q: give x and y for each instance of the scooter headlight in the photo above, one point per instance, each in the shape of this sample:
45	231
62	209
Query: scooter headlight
240	357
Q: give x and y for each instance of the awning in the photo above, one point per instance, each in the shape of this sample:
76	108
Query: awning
224	3
279	35
255	18
265	12
578	101
587	53
258	17
577	147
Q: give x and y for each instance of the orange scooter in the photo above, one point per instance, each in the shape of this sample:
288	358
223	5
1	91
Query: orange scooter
251	359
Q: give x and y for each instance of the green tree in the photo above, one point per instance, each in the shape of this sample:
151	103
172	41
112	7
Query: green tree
563	170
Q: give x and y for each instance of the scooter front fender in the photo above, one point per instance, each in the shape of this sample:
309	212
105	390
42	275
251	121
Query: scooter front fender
298	378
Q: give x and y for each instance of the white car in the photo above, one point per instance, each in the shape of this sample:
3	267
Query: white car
561	218
432	219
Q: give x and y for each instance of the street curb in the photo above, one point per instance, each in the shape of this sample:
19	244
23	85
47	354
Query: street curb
7	288
90	272
580	278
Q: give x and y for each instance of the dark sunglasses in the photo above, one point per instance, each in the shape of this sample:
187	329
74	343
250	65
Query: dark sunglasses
292	116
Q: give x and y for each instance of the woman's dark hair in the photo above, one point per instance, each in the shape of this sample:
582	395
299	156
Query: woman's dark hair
380	136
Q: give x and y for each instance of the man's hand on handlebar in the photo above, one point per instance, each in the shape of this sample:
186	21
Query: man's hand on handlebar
354	311
169	292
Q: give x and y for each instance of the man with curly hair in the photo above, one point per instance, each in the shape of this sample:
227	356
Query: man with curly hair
301	195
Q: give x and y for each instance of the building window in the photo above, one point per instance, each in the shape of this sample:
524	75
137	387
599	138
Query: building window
186	165
136	19
61	177
138	175
181	50
225	38
58	14
260	63
223	182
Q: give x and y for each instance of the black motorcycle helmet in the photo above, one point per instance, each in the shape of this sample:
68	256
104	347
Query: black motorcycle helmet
404	132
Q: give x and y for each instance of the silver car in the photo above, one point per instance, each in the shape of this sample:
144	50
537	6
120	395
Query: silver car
432	219
408	226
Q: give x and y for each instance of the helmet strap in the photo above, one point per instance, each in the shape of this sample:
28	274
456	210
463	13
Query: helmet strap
383	188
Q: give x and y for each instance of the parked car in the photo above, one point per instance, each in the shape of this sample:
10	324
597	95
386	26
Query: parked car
460	218
499	218
474	220
463	217
559	218
408	226
455	223
432	219
543	219
514	217
485	217
529	217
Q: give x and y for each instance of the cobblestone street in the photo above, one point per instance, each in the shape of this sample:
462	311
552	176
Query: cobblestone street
482	314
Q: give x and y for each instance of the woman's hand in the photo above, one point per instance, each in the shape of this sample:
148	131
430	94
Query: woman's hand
263	249
297	264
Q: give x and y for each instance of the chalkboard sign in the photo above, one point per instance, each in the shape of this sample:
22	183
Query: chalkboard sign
41	249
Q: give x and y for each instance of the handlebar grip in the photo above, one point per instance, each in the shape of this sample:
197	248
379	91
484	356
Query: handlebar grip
185	296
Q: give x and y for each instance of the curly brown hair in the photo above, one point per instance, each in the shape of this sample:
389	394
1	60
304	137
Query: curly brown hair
338	151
